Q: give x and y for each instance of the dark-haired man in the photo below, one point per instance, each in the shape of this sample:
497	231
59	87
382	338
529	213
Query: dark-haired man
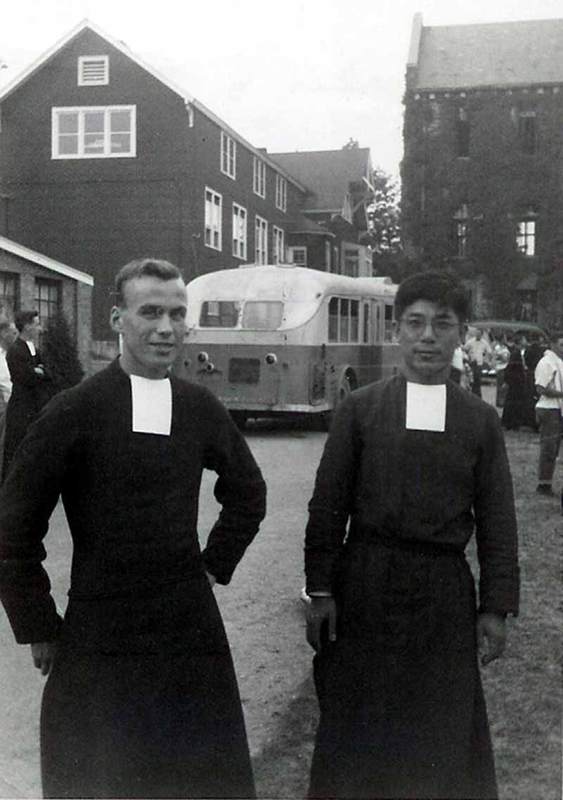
548	377
141	699
30	382
413	465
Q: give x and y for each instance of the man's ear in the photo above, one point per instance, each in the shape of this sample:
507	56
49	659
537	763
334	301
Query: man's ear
115	320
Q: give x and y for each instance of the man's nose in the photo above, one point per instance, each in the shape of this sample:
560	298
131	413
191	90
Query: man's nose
164	325
428	332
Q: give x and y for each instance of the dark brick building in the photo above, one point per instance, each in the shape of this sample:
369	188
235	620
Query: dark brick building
103	160
482	173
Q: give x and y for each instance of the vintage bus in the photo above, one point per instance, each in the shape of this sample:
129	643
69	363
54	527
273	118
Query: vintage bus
271	340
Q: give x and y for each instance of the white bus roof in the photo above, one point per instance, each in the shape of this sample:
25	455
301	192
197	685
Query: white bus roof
299	288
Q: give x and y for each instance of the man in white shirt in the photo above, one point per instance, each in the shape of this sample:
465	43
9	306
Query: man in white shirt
548	378
480	353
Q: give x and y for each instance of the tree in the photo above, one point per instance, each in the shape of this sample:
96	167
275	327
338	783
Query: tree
60	355
384	231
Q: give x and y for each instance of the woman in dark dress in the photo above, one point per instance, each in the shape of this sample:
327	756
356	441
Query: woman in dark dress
515	412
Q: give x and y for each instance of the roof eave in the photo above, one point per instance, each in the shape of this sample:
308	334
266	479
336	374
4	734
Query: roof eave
44	261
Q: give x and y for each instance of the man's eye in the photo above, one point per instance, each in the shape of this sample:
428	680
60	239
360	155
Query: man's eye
149	313
178	314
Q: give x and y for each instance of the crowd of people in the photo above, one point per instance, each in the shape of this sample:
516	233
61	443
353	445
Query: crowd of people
141	698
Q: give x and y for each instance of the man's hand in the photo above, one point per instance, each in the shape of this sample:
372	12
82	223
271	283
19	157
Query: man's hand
211	578
321	611
491	636
43	654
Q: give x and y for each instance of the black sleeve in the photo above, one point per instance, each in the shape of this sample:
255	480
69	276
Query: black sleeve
240	490
496	529
27	499
332	501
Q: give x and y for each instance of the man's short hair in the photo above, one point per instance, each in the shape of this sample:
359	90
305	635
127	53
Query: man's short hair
23	318
437	287
151	267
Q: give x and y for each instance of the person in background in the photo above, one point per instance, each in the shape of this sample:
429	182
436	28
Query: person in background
501	354
515	411
30	383
480	355
549	410
141	699
413	466
8	333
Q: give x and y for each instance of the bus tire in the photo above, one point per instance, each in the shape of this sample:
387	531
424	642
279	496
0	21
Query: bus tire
240	418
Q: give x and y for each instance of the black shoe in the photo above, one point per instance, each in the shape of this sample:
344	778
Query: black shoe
545	488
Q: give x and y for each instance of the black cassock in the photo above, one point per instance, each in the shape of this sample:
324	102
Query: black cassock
142	700
402	707
30	392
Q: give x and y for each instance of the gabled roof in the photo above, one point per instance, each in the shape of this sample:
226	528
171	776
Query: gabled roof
328	173
174	87
44	261
494	54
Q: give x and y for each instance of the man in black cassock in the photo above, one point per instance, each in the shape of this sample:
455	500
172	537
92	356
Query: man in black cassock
30	383
413	466
141	698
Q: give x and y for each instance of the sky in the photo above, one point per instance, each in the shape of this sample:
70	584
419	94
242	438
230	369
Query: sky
286	75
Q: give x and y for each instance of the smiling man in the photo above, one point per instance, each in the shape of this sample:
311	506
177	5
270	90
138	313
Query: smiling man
412	468
141	698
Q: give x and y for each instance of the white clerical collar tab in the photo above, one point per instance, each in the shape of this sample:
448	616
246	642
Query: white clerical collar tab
426	407
152	405
31	347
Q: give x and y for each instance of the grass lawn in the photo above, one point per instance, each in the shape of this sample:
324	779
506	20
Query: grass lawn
523	689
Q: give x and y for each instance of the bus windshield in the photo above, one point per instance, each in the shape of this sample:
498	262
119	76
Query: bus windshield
262	315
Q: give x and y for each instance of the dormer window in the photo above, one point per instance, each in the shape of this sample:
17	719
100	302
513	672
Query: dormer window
93	70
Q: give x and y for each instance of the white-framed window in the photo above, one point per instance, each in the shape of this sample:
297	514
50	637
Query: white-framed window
351	259
228	155
298	256
94	132
213	219
526	237
281	193
93	70
461	222
279	245
261	241
239	231
259	177
343	320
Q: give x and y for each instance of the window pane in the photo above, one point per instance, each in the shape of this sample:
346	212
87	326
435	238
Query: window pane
93	143
262	315
120	121
354	312
94	122
68	145
120	143
333	320
344	321
219	314
68	123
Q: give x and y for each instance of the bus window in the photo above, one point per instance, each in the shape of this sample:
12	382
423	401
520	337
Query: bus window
366	321
262	315
388	323
219	314
344	332
354	320
333	319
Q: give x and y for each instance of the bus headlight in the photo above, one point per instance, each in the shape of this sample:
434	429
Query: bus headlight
271	358
202	357
209	367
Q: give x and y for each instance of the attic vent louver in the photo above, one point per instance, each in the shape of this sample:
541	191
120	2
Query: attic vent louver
93	70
